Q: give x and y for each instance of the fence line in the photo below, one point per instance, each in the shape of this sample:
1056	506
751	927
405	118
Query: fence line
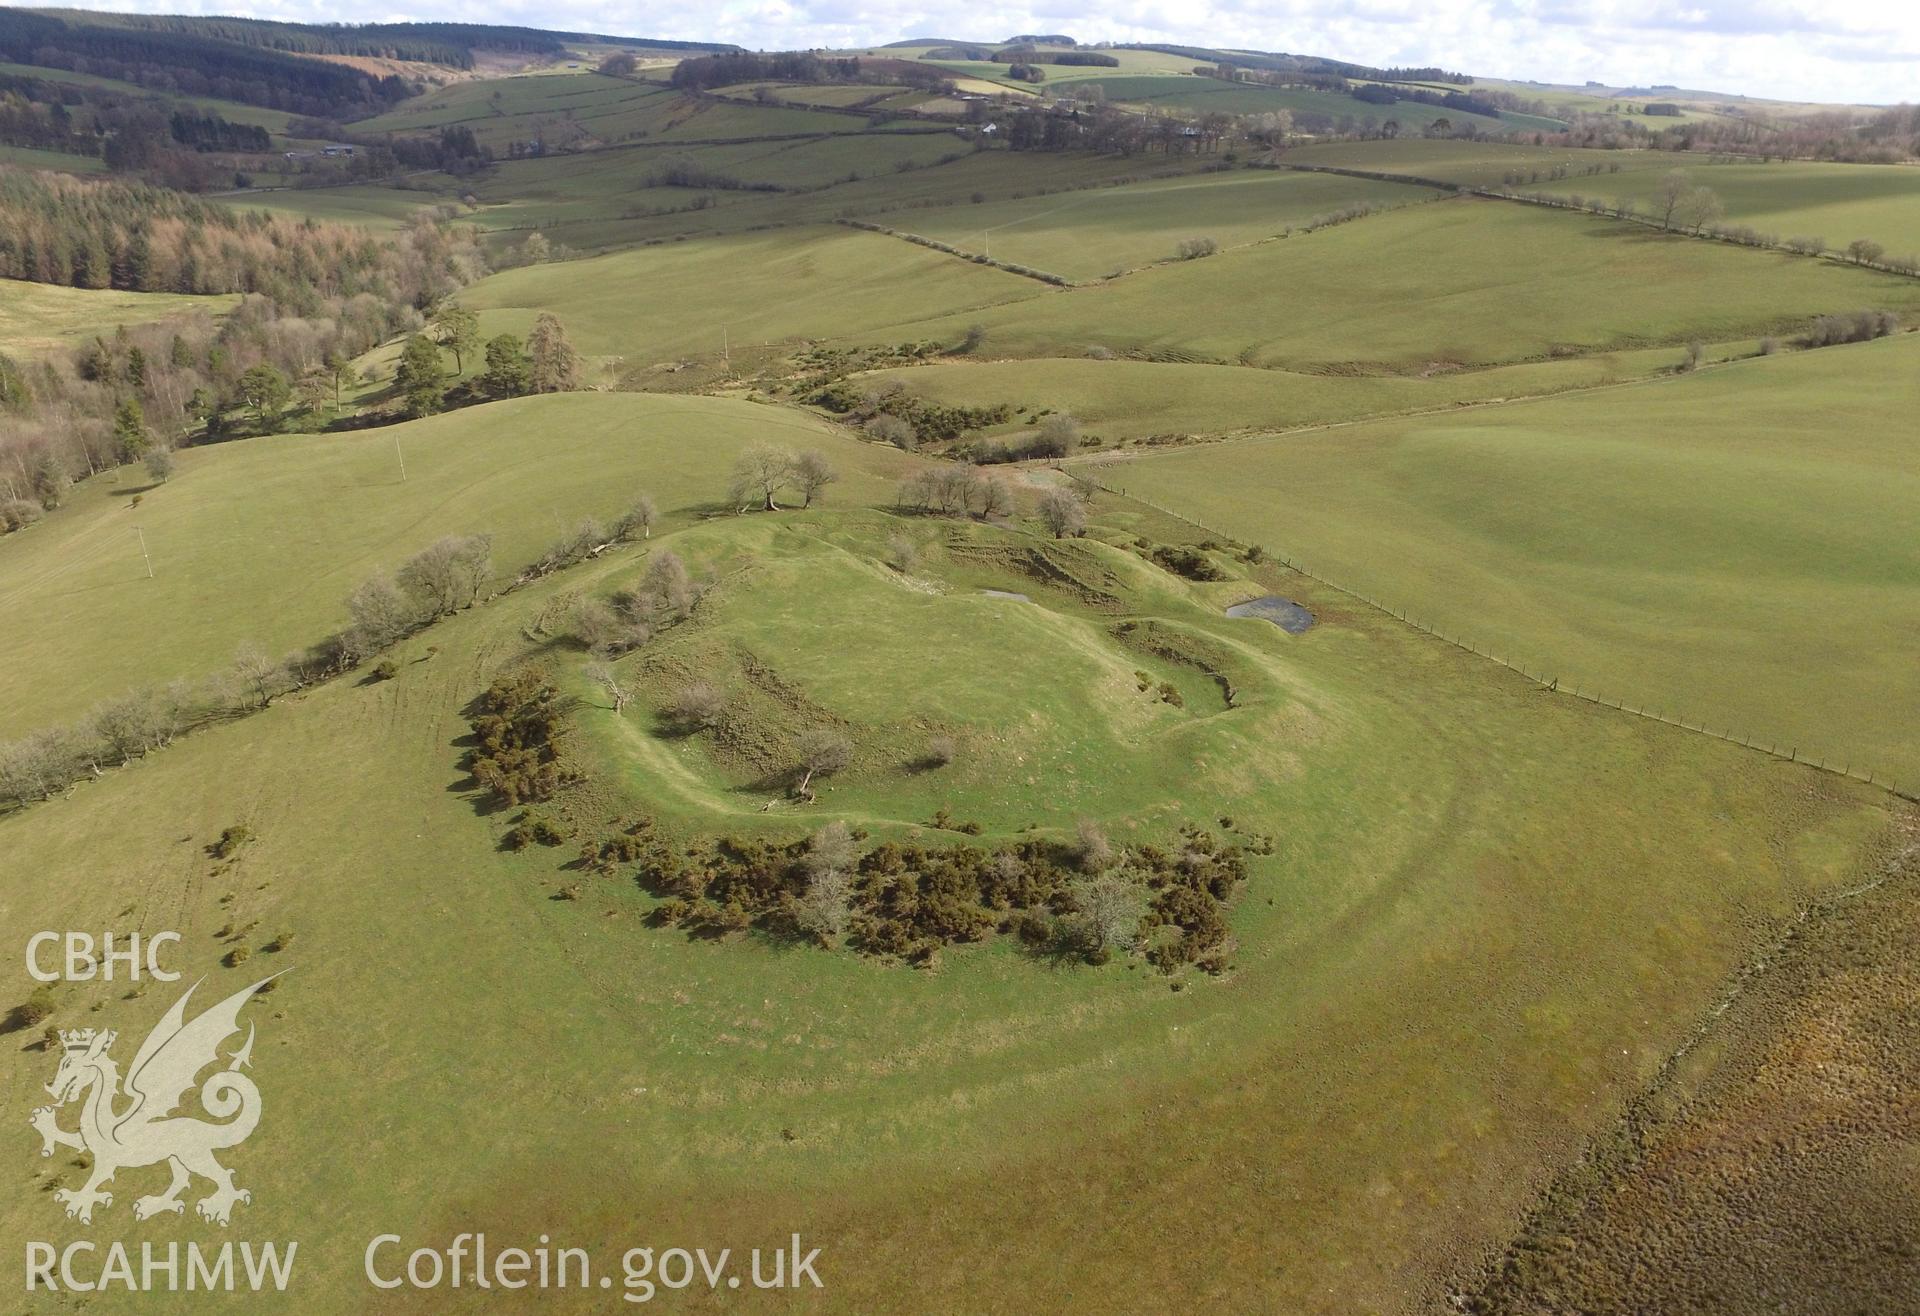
1785	751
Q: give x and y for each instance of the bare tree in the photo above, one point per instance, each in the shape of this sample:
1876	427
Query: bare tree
260	676
670	585
1092	848
1059	436
1699	208
824	908
812	473
448	573
993	495
697	706
902	553
891	429
1107	912
598	628
822	752
603	675
1865	251
637	519
830	847
1064	511
159	463
138	721
382	614
1674	187
761	472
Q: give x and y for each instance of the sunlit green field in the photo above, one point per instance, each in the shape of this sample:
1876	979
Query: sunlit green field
1448	841
1466	282
279	531
1734	547
1088	234
1125	400
655	305
41	317
1787	198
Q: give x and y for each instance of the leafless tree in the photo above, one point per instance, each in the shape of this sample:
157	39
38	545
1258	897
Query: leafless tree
697	706
138	721
1064	511
1674	187
892	429
603	675
1107	912
1059	436
761	472
1699	208
598	628
259	676
448	573
902	553
637	519
671	585
822	752
1092	848
382	614
812	473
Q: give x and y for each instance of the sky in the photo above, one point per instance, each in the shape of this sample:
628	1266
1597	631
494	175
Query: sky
1801	50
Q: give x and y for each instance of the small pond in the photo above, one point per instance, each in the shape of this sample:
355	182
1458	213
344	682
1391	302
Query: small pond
1284	613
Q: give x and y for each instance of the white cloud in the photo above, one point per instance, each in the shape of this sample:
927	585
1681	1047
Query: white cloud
1789	49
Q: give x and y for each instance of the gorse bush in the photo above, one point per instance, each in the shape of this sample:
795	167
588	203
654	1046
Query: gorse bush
905	901
517	725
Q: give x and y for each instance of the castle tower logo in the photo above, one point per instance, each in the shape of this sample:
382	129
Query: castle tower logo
131	1124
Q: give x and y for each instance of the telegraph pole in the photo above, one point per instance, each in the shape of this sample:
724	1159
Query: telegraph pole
143	551
401	455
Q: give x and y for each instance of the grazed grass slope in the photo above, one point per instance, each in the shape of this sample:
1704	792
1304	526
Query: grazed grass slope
1718	546
262	540
1467	281
1454	842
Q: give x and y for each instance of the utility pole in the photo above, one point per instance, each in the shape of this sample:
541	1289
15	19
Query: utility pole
726	351
402	456
143	551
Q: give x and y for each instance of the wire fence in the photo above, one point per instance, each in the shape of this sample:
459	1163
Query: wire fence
1786	751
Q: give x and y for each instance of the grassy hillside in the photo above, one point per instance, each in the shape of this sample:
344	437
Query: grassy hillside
1131	401
655	305
735	1091
1788	198
40	317
1089	234
1467	282
1697	545
279	531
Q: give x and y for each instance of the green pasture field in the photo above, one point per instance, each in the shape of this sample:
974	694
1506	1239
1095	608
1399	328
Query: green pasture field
42	317
1089	234
1416	1024
1467	282
27	157
1733	547
370	205
1788	198
764	291
1132	401
277	532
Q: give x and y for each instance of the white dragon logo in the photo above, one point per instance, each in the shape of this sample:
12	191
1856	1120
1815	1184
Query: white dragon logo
163	1070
